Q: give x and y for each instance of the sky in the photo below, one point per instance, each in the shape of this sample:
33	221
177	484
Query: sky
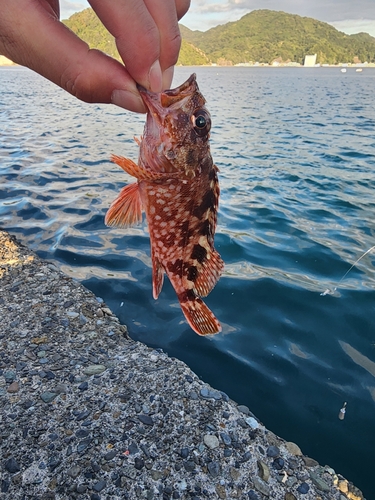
350	16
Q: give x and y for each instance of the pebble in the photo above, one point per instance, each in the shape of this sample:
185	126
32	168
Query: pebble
13	387
213	469
211	441
303	488
319	483
94	369
207	393
261	486
11	465
263	470
48	397
251	421
273	451
99	486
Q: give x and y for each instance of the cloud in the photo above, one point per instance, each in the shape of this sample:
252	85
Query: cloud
345	15
67	8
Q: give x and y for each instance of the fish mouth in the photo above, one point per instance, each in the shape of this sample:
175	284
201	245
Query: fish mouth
159	103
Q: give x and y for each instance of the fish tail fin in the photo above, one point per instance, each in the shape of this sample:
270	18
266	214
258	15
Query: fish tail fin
126	210
198	315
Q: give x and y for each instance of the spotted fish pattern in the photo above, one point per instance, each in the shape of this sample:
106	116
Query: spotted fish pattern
177	187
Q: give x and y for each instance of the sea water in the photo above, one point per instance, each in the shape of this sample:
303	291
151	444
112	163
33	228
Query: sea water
296	153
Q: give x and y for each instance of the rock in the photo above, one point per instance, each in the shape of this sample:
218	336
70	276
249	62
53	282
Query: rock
343	486
99	486
211	441
94	369
146	419
48	397
226	439
207	393
263	470
289	496
303	488
11	465
319	483
293	448
310	462
13	387
220	490
273	451
252	422
261	486
74	471
213	469
243	409
111	454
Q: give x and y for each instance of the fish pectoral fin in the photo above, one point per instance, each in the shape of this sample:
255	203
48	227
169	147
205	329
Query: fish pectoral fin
208	274
128	166
157	277
126	210
198	315
141	173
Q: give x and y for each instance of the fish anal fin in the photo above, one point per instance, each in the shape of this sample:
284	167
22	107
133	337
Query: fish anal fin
198	315
157	277
126	210
209	273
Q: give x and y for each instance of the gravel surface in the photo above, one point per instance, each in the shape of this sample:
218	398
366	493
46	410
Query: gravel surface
88	413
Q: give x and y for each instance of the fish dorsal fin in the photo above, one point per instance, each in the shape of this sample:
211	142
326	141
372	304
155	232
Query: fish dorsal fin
201	319
126	210
209	273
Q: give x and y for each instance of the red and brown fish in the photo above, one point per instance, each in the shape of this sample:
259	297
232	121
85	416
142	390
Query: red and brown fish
177	187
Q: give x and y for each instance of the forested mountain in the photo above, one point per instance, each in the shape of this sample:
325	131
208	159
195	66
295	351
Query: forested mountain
260	36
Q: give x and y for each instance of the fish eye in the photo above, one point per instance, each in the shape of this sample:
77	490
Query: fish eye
201	122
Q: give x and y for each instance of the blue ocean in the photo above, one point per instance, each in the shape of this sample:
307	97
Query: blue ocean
296	153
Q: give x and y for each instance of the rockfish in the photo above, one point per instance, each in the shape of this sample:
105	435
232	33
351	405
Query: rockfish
177	187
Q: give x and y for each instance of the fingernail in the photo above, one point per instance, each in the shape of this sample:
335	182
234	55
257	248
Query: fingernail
168	77
128	100
155	77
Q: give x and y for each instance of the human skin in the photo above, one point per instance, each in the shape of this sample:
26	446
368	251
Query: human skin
147	38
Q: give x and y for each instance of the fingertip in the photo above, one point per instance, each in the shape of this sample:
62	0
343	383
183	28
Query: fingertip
168	77
155	77
128	100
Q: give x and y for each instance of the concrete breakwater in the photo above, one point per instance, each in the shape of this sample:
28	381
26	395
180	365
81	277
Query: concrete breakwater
86	412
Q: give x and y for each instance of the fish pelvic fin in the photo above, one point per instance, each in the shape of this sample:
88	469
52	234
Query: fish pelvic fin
198	315
126	210
157	277
208	274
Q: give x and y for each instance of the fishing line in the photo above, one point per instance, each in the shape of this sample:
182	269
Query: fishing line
331	292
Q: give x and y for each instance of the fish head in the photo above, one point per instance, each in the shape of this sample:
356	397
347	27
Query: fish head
177	130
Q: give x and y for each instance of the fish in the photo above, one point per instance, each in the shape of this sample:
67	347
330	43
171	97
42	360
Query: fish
177	187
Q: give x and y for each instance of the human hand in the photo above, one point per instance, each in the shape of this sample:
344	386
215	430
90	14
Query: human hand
147	38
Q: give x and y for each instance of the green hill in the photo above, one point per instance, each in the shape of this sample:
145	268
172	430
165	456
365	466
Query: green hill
261	35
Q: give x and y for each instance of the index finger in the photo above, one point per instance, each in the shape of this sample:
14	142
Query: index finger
147	36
